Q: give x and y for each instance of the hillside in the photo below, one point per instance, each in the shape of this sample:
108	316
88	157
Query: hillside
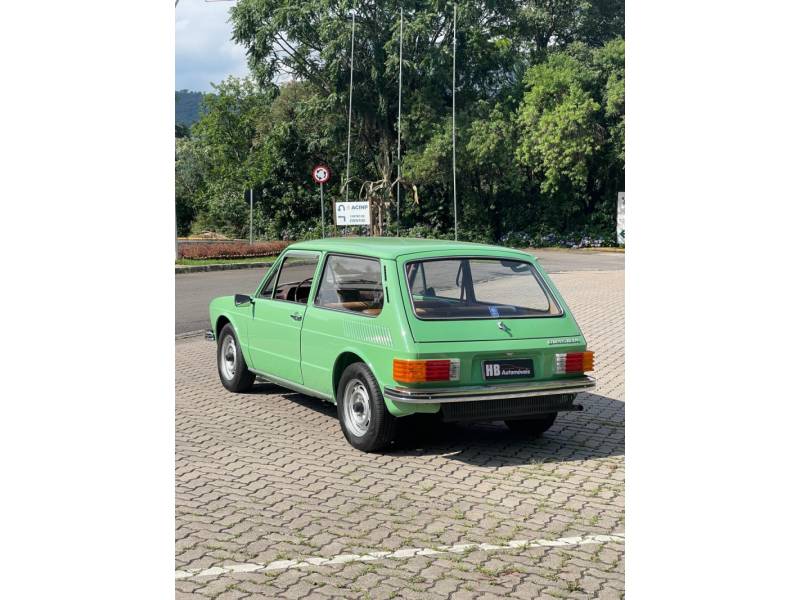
187	106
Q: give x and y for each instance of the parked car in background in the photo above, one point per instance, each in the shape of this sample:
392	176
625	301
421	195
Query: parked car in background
388	327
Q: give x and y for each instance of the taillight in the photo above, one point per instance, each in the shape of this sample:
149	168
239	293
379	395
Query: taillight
421	371
574	362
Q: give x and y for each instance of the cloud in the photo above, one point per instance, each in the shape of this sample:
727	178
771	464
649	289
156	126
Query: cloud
204	52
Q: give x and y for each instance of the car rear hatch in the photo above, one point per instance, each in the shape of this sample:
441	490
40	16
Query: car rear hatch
482	322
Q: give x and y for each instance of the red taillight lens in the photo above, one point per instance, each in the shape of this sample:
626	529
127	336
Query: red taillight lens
437	370
574	362
421	371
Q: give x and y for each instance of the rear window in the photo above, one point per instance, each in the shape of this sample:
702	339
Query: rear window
478	288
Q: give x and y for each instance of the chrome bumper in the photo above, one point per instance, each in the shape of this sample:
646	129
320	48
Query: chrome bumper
490	392
210	335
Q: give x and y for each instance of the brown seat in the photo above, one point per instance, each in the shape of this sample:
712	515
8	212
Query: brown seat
354	306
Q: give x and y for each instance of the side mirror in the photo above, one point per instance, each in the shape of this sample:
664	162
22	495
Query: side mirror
242	299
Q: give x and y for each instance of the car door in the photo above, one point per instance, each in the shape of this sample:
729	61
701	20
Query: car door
278	313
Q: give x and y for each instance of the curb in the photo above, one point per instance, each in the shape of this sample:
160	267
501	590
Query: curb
220	267
189	334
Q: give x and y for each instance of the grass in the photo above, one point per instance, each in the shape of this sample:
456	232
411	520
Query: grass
224	261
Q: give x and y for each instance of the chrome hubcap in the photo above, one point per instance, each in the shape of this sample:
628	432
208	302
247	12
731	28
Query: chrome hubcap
357	412
227	358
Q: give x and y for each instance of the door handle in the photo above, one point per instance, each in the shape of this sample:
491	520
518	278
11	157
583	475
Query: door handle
297	316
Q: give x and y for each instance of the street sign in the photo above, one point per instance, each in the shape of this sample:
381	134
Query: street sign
621	217
352	213
321	174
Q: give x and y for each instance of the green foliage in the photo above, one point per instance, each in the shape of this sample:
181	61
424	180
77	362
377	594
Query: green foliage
187	107
571	121
540	120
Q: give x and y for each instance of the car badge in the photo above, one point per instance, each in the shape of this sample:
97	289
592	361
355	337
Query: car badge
563	341
503	327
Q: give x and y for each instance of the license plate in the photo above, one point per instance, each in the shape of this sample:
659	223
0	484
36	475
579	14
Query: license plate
513	368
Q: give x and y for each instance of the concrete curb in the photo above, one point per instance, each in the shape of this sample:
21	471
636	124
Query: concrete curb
220	267
189	334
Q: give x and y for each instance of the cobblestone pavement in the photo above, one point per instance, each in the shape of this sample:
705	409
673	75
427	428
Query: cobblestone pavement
267	476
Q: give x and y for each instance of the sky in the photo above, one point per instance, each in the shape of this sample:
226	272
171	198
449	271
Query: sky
204	52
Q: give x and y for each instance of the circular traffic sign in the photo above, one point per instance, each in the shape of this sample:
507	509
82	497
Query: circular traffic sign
321	173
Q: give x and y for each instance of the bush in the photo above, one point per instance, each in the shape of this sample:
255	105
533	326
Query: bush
232	250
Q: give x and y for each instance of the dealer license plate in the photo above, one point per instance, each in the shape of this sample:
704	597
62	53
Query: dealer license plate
513	368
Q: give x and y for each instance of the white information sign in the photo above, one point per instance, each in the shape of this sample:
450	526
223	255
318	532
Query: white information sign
352	213
621	217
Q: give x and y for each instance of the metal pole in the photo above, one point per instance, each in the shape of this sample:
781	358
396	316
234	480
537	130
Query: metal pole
322	210
251	215
350	111
399	107
455	204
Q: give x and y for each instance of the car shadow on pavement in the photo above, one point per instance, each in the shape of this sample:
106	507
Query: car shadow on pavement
596	432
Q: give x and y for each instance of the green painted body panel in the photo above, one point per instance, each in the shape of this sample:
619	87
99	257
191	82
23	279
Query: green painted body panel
308	354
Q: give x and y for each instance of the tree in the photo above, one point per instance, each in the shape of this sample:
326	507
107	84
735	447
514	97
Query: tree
572	128
540	118
227	133
310	39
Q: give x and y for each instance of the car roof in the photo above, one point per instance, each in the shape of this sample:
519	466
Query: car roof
392	247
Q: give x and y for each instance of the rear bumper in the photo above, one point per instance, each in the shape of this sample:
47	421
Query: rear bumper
210	335
490	392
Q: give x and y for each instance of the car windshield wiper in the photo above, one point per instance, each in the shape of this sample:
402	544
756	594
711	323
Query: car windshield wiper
372	281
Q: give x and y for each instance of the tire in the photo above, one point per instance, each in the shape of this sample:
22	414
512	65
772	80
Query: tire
532	427
366	422
232	369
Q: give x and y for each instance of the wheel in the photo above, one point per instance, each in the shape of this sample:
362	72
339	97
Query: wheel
233	372
366	422
534	426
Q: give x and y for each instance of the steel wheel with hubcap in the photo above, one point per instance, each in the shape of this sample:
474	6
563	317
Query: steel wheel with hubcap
366	422
356	407
233	372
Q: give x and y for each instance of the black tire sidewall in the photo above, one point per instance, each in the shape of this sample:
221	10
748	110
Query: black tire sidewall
242	378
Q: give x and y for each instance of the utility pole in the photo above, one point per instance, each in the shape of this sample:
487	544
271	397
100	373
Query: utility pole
350	110
399	106
455	204
251	216
349	113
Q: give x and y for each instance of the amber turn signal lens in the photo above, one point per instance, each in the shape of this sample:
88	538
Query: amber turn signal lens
420	371
408	371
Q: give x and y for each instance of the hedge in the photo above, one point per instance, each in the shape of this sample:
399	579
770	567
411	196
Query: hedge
232	250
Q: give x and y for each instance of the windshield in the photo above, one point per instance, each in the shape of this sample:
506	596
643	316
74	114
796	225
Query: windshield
478	288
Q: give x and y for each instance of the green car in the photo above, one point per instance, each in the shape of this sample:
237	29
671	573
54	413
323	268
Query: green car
388	327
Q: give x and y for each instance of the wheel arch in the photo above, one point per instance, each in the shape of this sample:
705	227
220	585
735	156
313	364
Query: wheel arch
223	320
226	319
344	360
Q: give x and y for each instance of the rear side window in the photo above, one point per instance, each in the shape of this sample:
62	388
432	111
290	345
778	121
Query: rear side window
295	278
478	288
351	283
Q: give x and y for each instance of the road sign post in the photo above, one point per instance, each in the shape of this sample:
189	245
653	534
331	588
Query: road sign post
321	173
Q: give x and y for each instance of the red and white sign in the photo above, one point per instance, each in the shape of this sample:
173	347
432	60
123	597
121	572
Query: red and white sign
321	174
